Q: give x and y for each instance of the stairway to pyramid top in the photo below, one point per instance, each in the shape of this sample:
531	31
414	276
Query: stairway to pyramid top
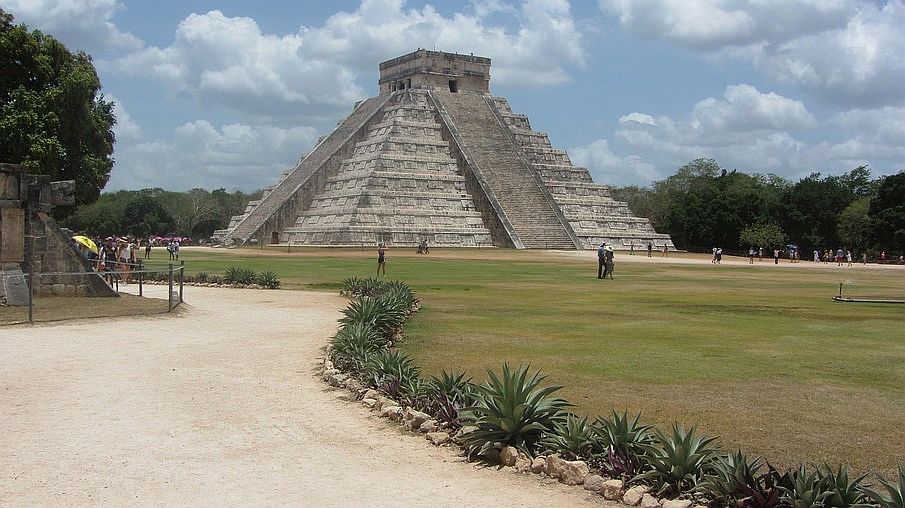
435	70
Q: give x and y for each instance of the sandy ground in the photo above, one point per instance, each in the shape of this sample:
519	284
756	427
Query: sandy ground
219	405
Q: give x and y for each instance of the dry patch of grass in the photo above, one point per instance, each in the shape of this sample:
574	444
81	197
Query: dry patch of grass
50	309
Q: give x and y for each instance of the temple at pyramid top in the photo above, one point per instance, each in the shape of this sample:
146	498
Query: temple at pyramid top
435	158
437	70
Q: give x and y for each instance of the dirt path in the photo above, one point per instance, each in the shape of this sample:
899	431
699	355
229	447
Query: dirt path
217	406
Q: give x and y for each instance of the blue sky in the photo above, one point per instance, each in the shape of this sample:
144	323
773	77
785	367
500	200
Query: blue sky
231	93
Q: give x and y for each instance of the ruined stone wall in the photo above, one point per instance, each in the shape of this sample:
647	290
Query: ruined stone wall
434	69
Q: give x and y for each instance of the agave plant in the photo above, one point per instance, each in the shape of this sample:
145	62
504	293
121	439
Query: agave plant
390	372
735	480
268	280
842	492
896	498
677	461
512	409
450	394
379	314
807	489
353	345
572	437
620	440
415	392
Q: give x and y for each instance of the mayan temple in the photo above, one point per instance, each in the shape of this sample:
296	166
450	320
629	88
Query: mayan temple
436	158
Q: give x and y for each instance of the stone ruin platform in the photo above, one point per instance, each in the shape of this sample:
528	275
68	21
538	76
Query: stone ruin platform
436	158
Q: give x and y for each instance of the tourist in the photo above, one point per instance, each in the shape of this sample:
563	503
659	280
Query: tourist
713	259
848	257
775	256
650	248
665	251
381	259
148	249
608	262
751	256
176	249
760	254
864	257
719	255
631	249
840	255
816	256
601	259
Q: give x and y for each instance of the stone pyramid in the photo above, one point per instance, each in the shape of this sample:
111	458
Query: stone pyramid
436	158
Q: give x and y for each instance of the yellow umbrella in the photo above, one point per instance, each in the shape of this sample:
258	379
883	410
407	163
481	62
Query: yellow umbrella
87	242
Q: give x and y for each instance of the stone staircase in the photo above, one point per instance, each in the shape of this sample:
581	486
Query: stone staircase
399	186
248	225
589	208
490	147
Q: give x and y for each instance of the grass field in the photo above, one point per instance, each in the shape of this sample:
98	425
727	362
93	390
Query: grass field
758	355
48	309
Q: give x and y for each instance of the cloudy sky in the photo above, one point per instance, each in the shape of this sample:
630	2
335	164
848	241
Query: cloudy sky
231	93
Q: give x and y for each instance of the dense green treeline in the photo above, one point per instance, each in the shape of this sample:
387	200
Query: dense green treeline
704	206
53	118
195	213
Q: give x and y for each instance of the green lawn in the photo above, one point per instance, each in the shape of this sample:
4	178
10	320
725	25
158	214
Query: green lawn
759	356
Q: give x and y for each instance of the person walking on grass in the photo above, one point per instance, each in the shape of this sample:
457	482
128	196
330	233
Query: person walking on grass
650	248
148	249
381	259
608	262
601	260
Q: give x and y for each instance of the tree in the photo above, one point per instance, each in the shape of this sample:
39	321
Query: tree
853	225
144	216
887	213
765	234
52	118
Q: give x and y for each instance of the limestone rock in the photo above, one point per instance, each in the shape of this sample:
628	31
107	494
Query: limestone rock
633	496
594	483
372	394
352	384
329	372
523	463
391	412
337	380
414	418
369	403
570	472
462	432
508	455
428	426
385	402
649	501
437	438
538	465
612	490
676	503
328	365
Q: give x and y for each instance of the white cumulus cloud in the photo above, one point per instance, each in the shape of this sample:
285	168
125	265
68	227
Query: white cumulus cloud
198	154
849	52
80	24
610	169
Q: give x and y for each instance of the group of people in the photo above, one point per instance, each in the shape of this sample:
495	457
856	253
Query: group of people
605	262
119	254
664	250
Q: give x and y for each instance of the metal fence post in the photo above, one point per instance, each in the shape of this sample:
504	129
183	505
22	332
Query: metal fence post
140	278
31	293
170	292
181	279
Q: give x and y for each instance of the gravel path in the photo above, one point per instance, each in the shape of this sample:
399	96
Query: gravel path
218	405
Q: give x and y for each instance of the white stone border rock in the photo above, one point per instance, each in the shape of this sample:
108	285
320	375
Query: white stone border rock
568	472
